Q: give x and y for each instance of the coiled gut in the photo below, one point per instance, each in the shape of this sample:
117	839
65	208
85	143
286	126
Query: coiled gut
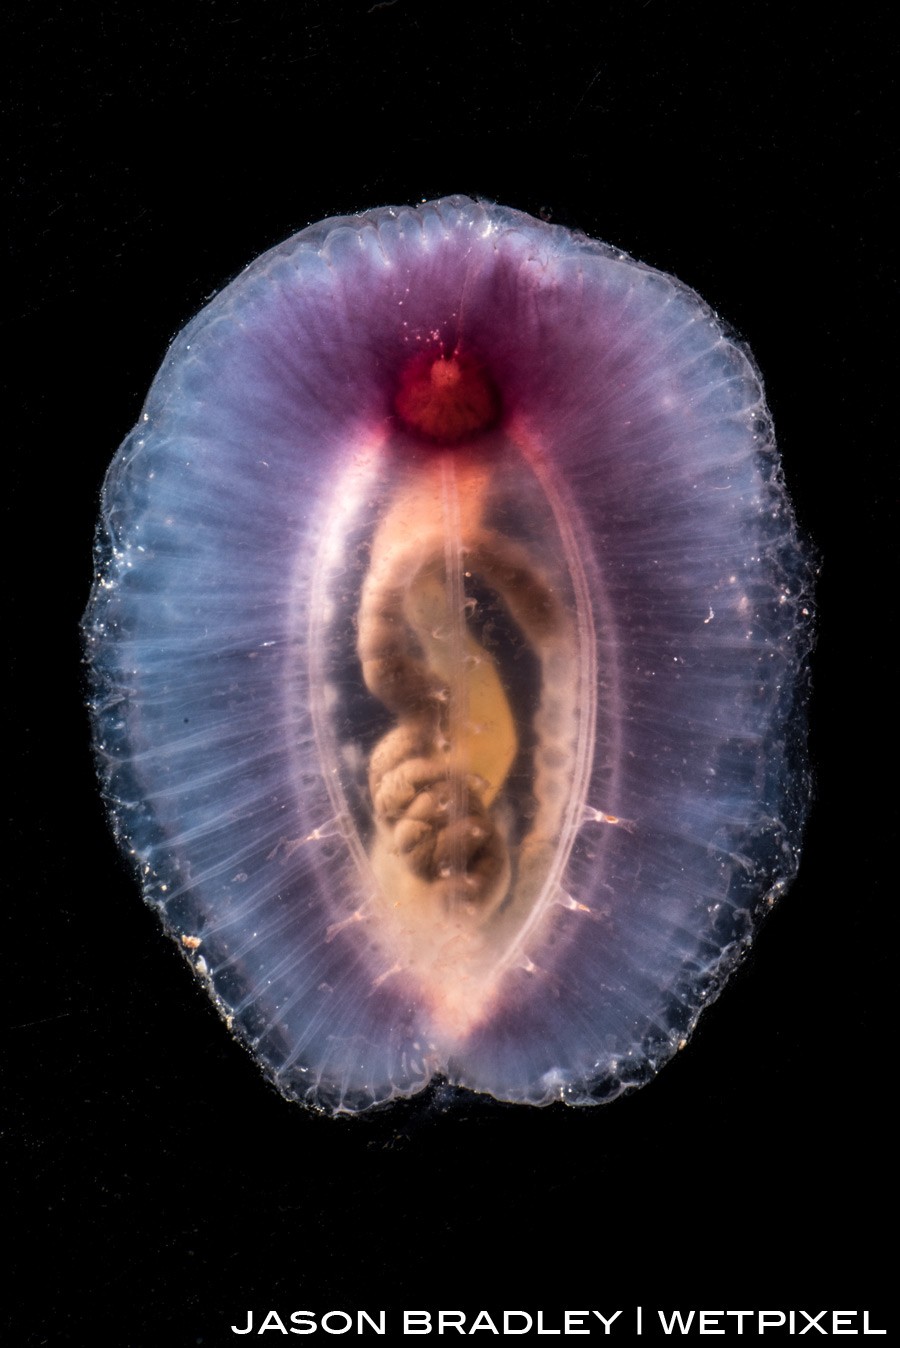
456	888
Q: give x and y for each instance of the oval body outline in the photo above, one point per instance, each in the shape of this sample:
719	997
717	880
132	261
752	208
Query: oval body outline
638	602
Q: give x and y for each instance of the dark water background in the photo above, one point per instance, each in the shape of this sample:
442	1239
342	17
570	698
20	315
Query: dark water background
160	1188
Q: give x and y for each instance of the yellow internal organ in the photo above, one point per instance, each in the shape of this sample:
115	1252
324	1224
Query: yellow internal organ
481	729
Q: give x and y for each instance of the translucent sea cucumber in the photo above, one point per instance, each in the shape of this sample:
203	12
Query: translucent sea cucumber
448	648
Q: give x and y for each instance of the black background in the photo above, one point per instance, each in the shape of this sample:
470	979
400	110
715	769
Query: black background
161	1188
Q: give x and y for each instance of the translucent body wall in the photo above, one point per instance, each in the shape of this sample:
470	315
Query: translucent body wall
448	648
